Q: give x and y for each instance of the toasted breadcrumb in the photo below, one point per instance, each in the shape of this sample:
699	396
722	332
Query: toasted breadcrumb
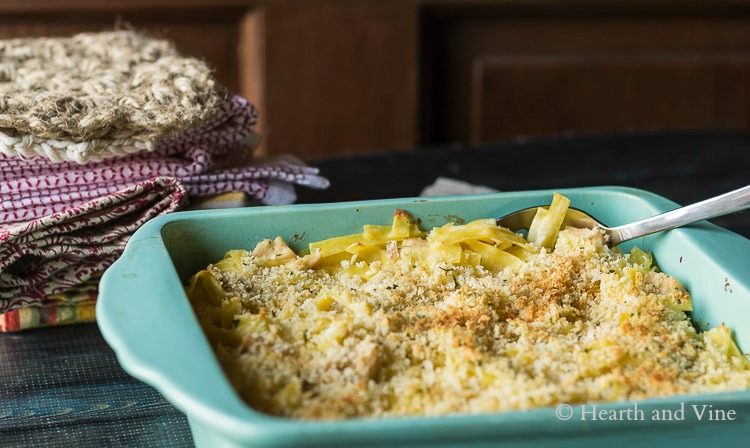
578	324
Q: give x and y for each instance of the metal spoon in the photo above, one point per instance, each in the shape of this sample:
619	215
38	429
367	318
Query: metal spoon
731	202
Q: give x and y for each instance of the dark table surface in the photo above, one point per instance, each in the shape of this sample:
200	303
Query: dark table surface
63	386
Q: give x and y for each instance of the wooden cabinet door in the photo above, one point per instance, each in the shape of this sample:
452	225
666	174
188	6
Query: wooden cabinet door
546	73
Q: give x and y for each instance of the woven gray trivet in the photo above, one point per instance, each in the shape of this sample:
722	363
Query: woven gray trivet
114	85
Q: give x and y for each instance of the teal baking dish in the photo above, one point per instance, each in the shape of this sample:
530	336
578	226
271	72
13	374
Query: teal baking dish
144	315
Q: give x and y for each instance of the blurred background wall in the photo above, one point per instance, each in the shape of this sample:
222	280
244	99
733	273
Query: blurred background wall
348	76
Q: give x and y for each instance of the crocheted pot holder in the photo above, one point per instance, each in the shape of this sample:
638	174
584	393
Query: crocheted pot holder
117	86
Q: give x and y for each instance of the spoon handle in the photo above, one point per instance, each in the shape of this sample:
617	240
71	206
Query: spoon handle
731	202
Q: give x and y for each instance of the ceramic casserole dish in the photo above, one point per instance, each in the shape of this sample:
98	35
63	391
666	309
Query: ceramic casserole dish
145	316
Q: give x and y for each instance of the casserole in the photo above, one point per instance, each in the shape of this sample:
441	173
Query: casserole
144	315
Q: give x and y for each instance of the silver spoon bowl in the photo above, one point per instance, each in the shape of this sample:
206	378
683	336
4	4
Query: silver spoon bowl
731	202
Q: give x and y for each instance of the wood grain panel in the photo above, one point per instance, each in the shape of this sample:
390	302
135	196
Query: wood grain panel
465	43
341	76
252	67
553	95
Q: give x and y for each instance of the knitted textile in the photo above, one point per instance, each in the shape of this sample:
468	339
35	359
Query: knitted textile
117	85
57	252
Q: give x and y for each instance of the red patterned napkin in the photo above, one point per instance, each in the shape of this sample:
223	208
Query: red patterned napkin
215	158
54	253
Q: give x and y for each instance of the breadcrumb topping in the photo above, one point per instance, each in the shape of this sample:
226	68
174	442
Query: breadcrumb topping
582	323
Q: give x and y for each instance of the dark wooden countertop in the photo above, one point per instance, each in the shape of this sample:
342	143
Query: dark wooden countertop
64	387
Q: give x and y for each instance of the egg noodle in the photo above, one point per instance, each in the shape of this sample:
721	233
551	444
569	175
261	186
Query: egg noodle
465	318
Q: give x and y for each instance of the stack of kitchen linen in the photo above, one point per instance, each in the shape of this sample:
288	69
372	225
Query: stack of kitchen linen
98	134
